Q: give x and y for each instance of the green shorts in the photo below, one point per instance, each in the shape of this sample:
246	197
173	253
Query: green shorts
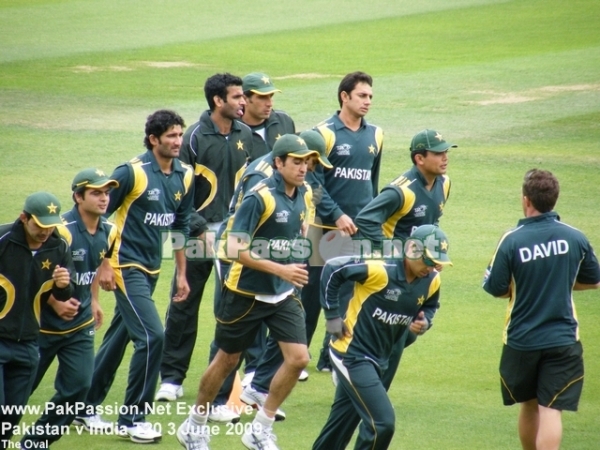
240	317
553	376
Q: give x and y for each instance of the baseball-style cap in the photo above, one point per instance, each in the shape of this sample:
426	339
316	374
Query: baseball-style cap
435	244
92	178
314	141
292	145
44	208
259	83
429	140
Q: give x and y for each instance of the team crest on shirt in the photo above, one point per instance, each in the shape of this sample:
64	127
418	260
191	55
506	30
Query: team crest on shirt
282	216
392	294
154	194
420	211
343	149
79	254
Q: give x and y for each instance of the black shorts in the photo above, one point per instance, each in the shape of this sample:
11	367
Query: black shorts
553	376
239	318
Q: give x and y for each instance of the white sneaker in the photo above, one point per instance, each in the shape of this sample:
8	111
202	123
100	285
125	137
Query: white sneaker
259	438
247	379
193	437
256	399
93	424
303	376
168	392
141	433
222	414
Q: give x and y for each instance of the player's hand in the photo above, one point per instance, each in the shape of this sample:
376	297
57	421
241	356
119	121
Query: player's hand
61	277
66	310
420	324
346	225
183	288
294	273
336	327
98	314
106	276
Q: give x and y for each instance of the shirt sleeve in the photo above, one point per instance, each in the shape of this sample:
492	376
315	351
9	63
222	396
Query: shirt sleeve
432	303
372	217
589	270
124	175
497	277
336	272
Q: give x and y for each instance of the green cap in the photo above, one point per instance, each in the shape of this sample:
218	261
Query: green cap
434	243
259	83
92	178
314	141
292	145
44	208
429	140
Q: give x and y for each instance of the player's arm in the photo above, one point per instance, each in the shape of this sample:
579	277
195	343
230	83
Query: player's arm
125	176
336	272
375	171
498	276
371	219
97	312
588	276
423	320
181	224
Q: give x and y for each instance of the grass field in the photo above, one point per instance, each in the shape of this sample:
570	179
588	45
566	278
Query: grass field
516	84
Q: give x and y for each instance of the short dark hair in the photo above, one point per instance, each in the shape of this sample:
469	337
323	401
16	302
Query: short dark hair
350	81
415	153
160	121
541	188
217	85
283	159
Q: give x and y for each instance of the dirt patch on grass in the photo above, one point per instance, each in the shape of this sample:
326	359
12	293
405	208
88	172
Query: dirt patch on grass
169	64
135	66
305	76
531	94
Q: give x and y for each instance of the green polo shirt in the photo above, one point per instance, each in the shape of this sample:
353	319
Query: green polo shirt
538	262
146	205
356	158
273	221
382	307
87	251
402	206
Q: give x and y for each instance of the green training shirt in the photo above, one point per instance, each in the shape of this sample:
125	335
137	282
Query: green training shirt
382	307
218	161
273	221
356	159
147	204
402	206
538	263
26	280
87	251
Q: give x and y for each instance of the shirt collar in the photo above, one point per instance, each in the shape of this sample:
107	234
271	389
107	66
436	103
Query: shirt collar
338	124
544	217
